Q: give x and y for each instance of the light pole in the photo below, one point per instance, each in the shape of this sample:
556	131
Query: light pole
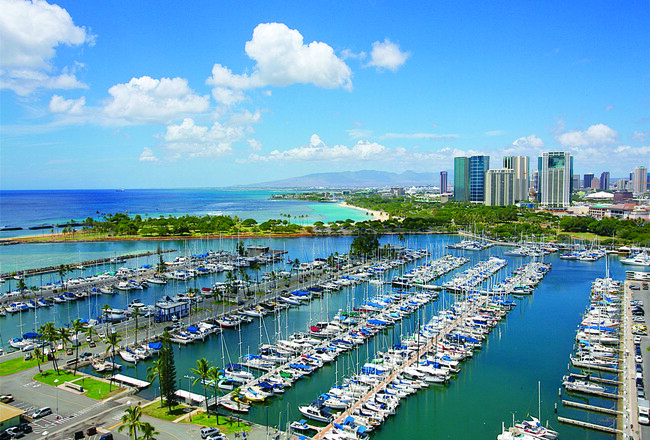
189	389
56	381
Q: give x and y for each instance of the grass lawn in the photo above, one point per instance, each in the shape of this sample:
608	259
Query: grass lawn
97	389
15	365
154	410
226	425
49	376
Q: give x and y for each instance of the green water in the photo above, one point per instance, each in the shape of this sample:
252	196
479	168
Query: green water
532	344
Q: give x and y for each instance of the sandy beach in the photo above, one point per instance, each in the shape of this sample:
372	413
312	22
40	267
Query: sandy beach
377	215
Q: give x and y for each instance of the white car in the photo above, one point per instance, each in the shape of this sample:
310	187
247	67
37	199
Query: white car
638	359
637	339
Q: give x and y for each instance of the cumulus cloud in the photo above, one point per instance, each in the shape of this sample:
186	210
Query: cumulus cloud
254	144
149	100
316	150
640	152
30	32
75	107
387	55
281	59
531	141
595	135
147	155
188	139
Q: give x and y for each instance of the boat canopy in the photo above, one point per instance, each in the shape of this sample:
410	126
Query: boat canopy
31	335
155	345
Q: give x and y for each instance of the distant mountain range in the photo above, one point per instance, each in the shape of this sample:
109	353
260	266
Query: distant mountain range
353	179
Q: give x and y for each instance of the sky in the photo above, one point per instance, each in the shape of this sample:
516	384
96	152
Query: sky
165	94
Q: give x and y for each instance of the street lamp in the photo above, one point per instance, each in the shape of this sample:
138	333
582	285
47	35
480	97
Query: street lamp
189	389
56	381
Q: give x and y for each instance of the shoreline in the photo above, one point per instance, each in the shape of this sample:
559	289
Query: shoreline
376	215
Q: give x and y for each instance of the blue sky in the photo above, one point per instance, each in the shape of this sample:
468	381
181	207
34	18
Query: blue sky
206	94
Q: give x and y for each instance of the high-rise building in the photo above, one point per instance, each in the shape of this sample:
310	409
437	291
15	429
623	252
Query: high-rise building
621	184
478	166
500	187
443	182
640	179
575	183
595	183
604	180
555	178
461	179
520	165
587	180
534	183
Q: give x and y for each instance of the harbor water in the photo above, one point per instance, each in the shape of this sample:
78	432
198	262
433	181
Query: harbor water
532	344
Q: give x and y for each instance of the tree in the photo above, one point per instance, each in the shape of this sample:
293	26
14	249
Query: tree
131	421
167	371
240	248
51	334
112	341
256	267
77	326
63	270
105	309
21	285
202	370
38	354
148	431
365	244
90	332
65	336
153	373
214	376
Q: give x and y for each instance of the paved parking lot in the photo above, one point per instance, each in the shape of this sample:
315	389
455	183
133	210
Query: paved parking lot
644	296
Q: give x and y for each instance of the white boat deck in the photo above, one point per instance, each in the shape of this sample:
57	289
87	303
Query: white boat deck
131	381
192	396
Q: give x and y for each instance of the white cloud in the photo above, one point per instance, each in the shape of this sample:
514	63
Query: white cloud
628	151
430	136
348	54
531	141
387	55
58	104
254	144
495	133
147	155
595	135
191	140
640	136
281	59
316	150
30	32
149	100
357	133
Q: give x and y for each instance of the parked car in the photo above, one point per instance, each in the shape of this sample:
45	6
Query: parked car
25	427
42	412
6	398
15	432
107	436
209	432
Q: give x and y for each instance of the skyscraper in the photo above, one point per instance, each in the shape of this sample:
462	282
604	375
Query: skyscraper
575	184
640	179
555	175
443	182
478	166
461	179
604	180
520	166
587	180
500	187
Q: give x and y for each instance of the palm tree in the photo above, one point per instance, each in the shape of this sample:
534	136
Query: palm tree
256	267
112	342
153	373
105	309
131	421
21	285
38	354
295	264
65	336
90	332
77	326
63	270
202	370
148	431
51	334
214	376
136	315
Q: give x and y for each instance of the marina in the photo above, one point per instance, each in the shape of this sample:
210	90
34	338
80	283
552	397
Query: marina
283	322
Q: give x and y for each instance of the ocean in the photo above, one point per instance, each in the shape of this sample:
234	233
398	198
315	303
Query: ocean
532	344
27	209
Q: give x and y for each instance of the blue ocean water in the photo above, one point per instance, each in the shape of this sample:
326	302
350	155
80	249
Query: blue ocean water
532	344
34	208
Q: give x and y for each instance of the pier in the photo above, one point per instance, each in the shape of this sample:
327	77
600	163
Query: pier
591	407
588	425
